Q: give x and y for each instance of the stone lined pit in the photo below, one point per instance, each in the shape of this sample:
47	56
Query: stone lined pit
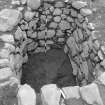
32	28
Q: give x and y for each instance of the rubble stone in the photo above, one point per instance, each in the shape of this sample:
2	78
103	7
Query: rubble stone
64	25
4	63
28	15
41	35
85	12
8	19
100	55
53	25
5	74
33	4
79	4
59	4
57	19
8	38
50	33
57	11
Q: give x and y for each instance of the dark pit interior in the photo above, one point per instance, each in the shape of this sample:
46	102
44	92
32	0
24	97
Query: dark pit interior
51	67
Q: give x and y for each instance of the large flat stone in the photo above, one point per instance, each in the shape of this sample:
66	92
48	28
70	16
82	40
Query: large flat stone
8	19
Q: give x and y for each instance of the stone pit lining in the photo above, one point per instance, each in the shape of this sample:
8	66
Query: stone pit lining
28	29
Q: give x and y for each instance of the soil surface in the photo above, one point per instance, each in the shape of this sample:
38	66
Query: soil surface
51	67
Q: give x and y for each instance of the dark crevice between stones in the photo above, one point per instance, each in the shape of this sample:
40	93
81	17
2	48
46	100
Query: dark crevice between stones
45	68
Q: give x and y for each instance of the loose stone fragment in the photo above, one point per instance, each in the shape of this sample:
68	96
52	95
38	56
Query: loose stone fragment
53	25
79	4
57	11
64	25
50	34
28	15
5	74
85	12
57	19
33	4
8	38
8	19
100	55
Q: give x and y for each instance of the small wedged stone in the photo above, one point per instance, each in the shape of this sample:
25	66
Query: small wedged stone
9	18
40	49
8	38
28	15
33	4
85	12
57	19
5	74
59	33
79	4
61	40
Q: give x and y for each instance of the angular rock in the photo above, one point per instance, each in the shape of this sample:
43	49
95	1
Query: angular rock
96	45
57	19
49	42
32	46
26	95
53	25
100	55
41	34
50	95
64	25
4	63
59	4
57	11
61	40
5	74
18	34
33	4
50	33
8	38
91	26
79	4
8	19
4	53
59	33
80	34
103	63
85	12
74	13
66	49
28	15
103	49
40	49
23	1
42	42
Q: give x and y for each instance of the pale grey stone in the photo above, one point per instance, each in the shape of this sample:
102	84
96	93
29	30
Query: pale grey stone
50	33
49	42
85	12
5	74
28	15
4	63
53	25
74	13
40	49
61	40
79	4
9	18
59	4
100	55
33	4
57	11
9	38
41	34
57	19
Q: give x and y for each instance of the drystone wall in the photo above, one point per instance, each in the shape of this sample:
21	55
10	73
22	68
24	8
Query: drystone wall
32	26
